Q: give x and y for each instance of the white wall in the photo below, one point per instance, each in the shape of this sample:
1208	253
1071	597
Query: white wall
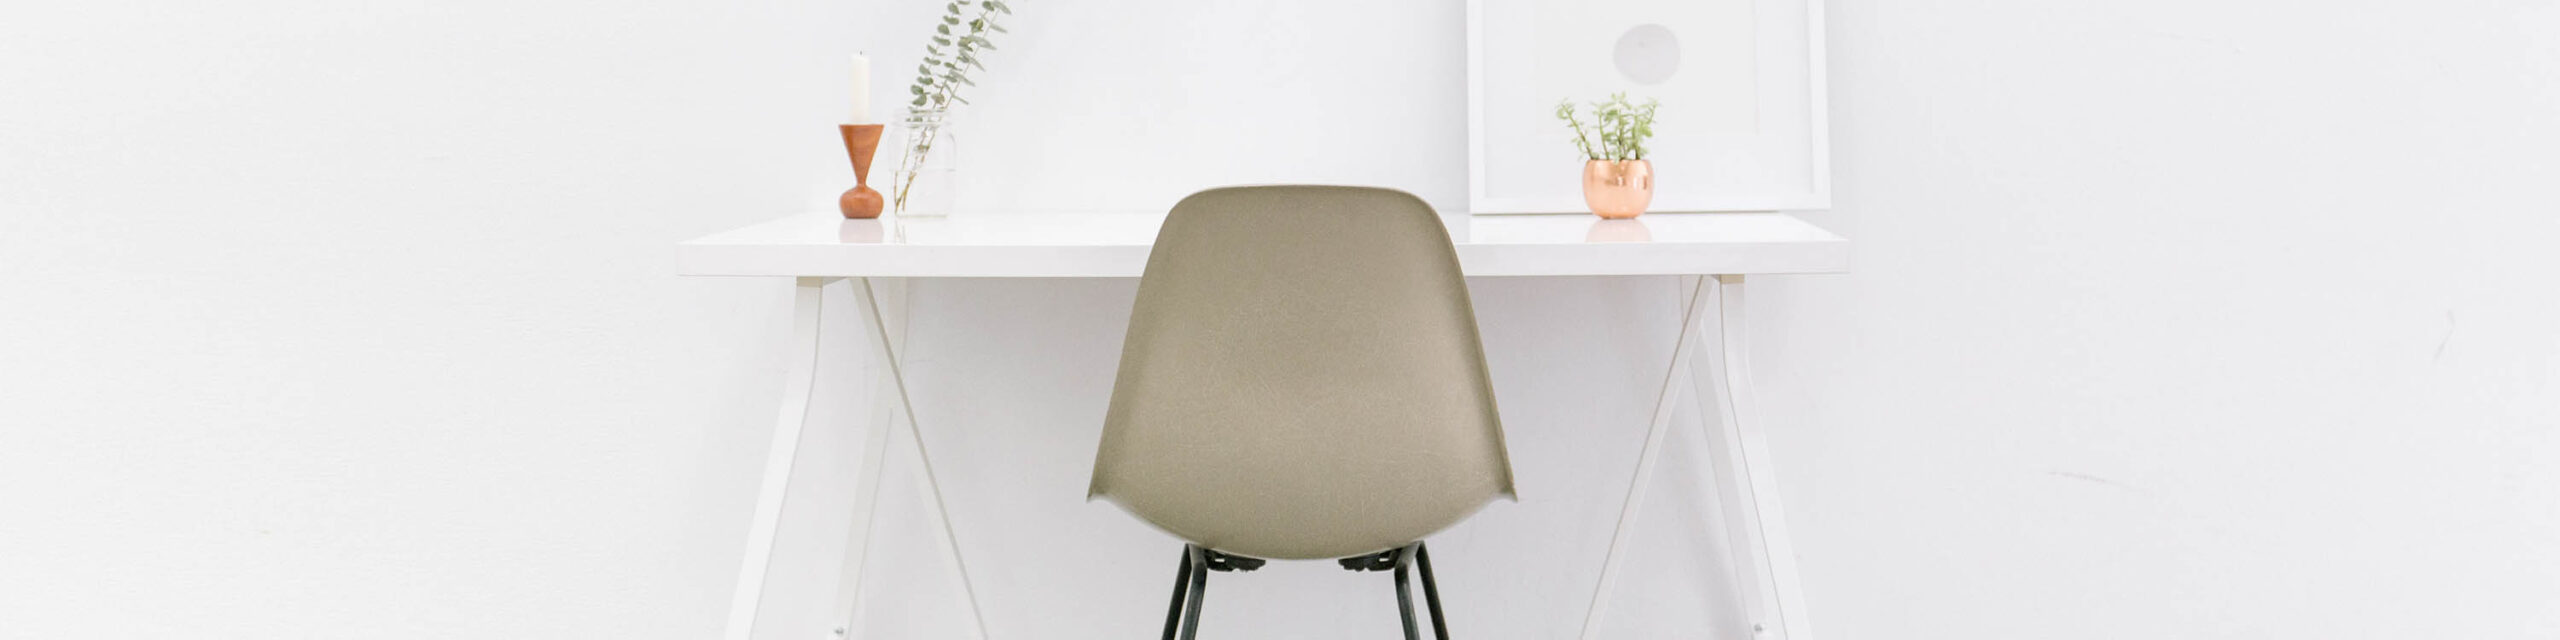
2172	319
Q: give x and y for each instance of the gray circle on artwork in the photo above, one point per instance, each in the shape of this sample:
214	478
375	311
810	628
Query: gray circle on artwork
1648	54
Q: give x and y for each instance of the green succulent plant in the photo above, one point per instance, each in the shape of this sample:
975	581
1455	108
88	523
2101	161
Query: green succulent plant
1620	126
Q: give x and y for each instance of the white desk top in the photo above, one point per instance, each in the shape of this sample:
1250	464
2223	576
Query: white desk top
1115	245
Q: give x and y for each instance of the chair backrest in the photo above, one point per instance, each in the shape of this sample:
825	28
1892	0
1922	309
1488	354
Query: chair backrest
1302	378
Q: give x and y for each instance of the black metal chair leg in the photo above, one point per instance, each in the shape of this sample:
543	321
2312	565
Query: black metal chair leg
1191	586
1404	596
1431	591
1181	586
1199	587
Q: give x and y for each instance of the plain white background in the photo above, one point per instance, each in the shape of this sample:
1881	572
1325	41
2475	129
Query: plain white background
2177	319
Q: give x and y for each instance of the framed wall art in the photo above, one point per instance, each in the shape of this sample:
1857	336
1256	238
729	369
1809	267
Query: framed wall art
1742	124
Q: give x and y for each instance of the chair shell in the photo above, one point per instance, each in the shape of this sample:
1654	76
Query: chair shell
1302	378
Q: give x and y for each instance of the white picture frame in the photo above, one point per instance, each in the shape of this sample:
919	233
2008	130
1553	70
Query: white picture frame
1772	152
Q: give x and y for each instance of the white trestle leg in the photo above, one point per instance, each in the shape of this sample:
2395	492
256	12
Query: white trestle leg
1775	597
799	377
924	460
1672	378
847	604
1762	554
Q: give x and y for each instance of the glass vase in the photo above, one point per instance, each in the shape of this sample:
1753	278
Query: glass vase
927	166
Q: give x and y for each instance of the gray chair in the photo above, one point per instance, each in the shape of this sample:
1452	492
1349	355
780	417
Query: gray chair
1302	380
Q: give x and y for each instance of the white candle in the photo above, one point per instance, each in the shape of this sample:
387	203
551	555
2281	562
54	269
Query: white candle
861	90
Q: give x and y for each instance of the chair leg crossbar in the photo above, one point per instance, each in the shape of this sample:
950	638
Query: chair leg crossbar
1182	621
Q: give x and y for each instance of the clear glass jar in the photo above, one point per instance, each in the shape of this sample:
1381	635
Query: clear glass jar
928	163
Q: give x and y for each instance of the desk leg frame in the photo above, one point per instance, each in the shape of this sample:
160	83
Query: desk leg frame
808	295
1757	521
1773	599
924	460
784	454
889	298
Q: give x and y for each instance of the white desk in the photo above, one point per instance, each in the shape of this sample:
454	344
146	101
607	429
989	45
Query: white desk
1718	249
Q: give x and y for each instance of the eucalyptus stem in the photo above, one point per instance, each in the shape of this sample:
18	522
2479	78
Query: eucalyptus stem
954	52
948	61
913	159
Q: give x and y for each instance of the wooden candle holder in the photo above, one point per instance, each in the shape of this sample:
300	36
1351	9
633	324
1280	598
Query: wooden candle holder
860	142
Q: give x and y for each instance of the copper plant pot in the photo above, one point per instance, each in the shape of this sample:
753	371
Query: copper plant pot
1617	189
